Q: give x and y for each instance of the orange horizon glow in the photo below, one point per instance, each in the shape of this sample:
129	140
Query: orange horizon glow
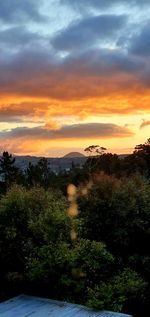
83	79
52	114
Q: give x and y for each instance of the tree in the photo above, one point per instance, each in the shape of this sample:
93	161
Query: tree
94	152
8	170
144	148
122	293
68	270
118	213
14	218
40	174
142	153
32	222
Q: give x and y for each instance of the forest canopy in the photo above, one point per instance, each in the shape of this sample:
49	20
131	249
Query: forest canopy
88	244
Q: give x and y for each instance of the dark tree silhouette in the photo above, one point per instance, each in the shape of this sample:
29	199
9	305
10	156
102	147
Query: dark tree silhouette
8	170
142	153
40	174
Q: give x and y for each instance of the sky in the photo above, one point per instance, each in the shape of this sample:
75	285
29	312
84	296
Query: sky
74	73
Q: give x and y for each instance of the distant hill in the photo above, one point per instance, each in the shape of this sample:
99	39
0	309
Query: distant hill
73	155
56	164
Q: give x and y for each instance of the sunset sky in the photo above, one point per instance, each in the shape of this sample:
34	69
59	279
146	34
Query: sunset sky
74	73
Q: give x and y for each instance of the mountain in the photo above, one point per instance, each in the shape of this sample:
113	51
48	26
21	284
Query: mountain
56	164
73	155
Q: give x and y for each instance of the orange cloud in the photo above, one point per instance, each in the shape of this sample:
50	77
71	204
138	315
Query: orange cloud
49	110
96	82
52	125
144	124
75	89
23	140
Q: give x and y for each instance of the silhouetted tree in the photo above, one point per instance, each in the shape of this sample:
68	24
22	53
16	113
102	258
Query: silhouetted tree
93	151
142	153
8	170
40	174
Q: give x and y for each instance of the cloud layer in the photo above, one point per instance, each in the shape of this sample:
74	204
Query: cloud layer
18	139
14	11
93	62
88	130
103	4
85	32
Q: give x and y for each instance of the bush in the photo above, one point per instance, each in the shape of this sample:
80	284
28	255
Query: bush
118	293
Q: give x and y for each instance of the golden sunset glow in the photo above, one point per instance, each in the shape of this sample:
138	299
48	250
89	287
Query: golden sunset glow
80	81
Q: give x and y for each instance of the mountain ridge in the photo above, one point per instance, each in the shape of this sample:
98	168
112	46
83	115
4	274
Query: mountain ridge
73	155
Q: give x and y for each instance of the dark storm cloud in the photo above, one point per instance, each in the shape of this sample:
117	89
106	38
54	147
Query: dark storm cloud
87	130
37	70
103	62
24	66
85	32
140	43
39	73
14	11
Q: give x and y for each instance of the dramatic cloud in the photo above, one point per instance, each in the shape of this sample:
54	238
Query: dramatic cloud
19	37
88	130
14	11
73	61
23	111
98	81
87	31
33	73
140	44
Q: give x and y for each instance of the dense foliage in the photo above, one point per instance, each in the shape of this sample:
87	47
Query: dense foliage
91	247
